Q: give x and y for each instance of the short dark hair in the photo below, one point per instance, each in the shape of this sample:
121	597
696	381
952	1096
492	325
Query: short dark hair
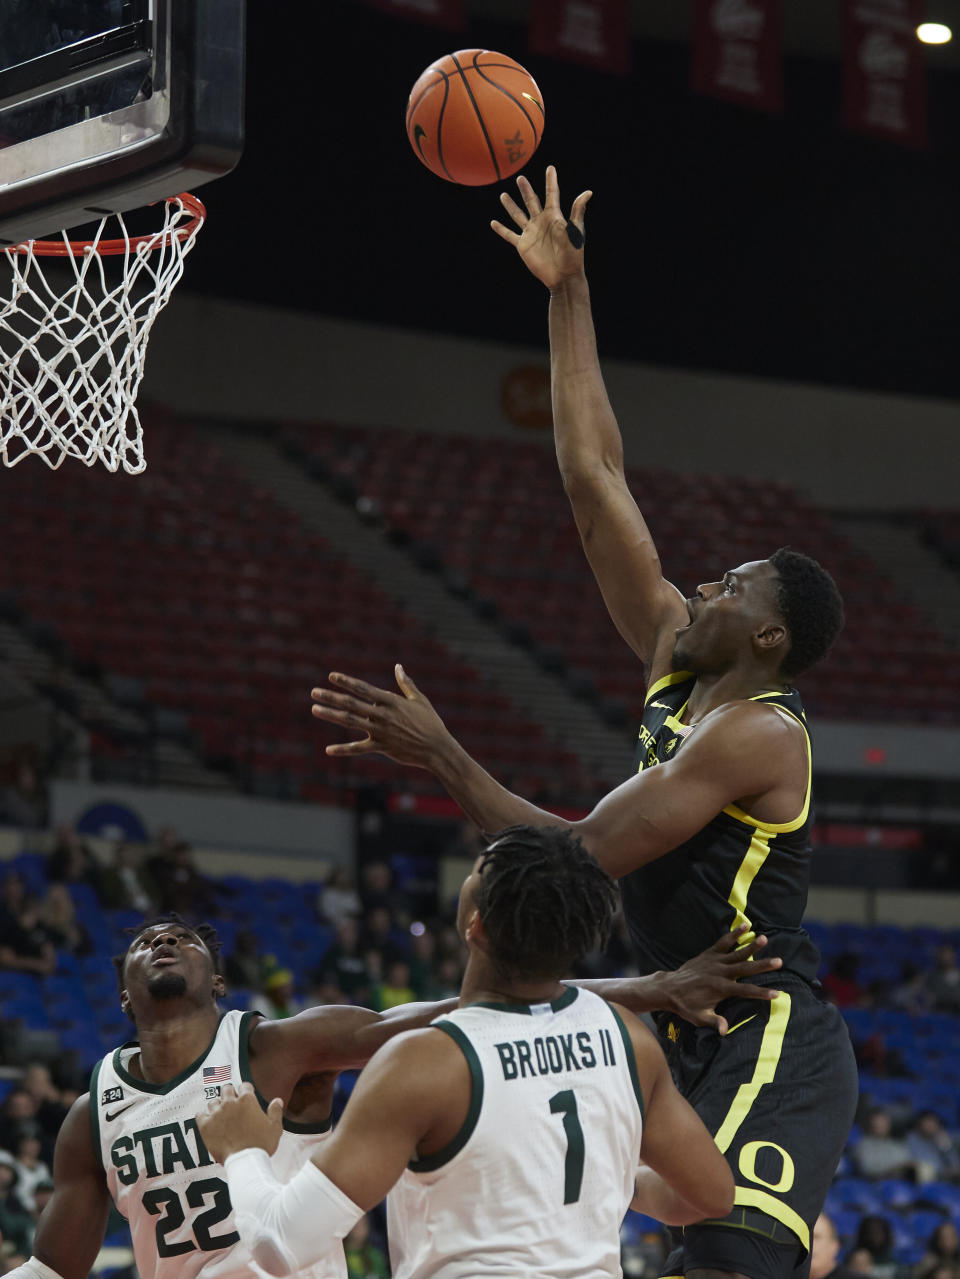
811	606
543	899
206	932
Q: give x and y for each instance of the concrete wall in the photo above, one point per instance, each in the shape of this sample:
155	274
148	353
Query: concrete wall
847	449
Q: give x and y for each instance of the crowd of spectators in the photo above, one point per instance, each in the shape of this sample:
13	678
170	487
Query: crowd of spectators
381	944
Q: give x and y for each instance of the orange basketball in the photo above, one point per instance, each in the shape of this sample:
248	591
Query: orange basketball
475	117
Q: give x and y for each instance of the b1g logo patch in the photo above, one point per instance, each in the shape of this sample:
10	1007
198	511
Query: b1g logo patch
110	1095
211	1092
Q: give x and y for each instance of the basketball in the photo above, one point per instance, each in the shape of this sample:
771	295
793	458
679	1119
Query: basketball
475	117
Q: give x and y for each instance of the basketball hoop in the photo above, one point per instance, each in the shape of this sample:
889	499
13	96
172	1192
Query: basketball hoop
72	349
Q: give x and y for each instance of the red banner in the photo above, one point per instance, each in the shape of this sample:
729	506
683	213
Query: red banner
439	13
593	32
884	81
737	52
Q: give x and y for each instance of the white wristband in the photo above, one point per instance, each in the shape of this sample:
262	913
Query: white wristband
286	1227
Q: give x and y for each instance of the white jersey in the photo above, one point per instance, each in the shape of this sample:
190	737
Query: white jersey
538	1180
160	1174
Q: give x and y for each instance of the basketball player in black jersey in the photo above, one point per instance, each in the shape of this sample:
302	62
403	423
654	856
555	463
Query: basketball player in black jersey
713	831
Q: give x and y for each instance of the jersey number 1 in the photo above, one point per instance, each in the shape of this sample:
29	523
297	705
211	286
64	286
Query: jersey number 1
565	1103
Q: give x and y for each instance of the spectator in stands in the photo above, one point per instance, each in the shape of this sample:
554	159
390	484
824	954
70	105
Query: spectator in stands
24	946
71	861
875	1055
180	886
376	887
339	899
912	991
58	917
878	1154
244	964
364	1259
875	1238
944	982
449	977
825	1251
31	1169
50	1104
943	1249
126	884
23	800
932	1149
840	984
19	1118
16	1224
344	965
379	934
395	989
276	998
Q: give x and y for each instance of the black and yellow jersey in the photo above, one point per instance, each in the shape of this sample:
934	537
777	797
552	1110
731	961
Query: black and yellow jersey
735	870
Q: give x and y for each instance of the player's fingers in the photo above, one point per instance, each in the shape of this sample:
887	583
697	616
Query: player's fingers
360	688
275	1109
227	1092
551	182
407	686
719	1024
511	206
365	747
344	702
246	1090
505	233
579	208
531	201
345	719
745	991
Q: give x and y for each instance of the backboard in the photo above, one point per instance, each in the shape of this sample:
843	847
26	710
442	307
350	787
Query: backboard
107	105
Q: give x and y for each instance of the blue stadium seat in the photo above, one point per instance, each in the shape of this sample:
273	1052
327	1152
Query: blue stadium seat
30	1012
31	867
895	1194
19	986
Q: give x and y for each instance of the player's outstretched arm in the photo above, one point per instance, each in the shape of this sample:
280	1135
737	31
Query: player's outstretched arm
695	989
685	1178
71	1227
416	1090
333	1037
644	607
737	751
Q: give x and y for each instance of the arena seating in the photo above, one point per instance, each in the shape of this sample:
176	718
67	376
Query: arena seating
193	595
499	521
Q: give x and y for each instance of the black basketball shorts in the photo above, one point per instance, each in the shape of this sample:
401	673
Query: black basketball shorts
778	1092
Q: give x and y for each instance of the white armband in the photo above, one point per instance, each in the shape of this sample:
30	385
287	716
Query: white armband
286	1226
33	1268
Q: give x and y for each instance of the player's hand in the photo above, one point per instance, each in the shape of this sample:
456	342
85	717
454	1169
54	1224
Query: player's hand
403	726
550	244
716	974
236	1122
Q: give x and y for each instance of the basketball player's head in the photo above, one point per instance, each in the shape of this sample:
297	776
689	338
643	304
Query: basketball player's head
781	614
824	1247
535	902
169	960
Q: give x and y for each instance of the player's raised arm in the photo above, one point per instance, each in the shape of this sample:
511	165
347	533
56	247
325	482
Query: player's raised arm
645	608
72	1225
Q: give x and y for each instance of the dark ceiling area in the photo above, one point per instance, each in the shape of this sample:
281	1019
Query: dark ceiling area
719	238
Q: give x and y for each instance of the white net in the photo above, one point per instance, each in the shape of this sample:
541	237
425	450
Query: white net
73	340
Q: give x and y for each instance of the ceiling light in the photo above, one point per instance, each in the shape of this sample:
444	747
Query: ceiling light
934	33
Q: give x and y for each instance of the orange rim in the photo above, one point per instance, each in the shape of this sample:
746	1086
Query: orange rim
111	248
